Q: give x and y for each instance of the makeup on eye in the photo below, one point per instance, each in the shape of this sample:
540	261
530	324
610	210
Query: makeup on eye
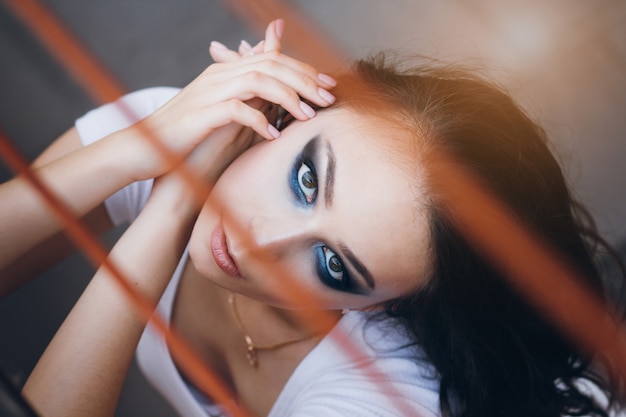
303	177
331	270
304	183
307	180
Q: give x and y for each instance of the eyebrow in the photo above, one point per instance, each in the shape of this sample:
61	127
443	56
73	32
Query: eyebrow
330	175
328	199
358	265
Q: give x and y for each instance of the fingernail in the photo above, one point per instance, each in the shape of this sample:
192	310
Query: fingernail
217	45
246	45
326	95
327	79
273	131
279	26
306	109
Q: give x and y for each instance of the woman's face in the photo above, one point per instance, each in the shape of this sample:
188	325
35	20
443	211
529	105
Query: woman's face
327	205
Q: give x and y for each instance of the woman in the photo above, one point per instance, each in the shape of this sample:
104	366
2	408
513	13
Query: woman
341	202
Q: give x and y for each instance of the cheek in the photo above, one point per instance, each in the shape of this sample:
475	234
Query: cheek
248	173
253	187
200	240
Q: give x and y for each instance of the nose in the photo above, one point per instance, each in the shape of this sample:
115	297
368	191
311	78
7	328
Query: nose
276	236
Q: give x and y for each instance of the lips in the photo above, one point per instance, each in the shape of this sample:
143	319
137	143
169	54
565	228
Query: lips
219	249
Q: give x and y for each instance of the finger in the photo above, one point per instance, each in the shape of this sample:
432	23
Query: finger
245	48
259	48
305	84
236	111
220	53
258	85
219	115
270	110
246	64
273	36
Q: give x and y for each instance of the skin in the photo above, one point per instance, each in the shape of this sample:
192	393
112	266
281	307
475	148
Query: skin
218	125
269	229
268	226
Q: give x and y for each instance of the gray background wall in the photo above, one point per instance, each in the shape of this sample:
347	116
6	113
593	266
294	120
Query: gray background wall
564	60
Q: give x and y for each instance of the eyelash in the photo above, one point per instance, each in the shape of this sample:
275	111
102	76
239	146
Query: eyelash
323	254
296	186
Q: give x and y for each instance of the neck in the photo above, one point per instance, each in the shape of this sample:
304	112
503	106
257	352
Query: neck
265	322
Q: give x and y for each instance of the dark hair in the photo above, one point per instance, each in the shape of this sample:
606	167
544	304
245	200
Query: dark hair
495	355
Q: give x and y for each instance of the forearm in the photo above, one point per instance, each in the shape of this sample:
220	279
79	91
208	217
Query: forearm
81	180
83	368
49	252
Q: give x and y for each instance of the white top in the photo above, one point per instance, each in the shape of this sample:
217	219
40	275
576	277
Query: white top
327	382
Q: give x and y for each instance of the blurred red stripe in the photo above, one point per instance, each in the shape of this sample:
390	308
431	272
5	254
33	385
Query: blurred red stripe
524	259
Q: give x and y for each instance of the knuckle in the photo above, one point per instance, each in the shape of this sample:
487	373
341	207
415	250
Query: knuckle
274	54
307	82
232	105
258	118
293	96
309	69
286	94
270	65
254	76
215	67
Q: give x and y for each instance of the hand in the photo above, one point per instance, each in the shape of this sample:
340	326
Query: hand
220	53
219	97
274	31
271	43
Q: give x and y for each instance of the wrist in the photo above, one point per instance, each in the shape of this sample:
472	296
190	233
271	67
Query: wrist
173	194
133	153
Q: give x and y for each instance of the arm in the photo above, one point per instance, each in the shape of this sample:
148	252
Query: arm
81	179
58	246
82	370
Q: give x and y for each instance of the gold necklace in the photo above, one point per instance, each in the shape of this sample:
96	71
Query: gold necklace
251	355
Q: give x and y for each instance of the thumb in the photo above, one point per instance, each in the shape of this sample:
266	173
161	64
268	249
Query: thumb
273	36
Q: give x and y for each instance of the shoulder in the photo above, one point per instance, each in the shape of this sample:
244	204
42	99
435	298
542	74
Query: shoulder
126	204
122	112
362	368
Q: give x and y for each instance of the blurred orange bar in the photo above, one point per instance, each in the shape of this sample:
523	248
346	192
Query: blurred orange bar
581	316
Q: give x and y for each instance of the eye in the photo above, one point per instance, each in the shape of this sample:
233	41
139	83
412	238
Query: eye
307	181
331	269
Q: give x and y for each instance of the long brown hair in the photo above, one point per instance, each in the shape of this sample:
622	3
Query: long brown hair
495	355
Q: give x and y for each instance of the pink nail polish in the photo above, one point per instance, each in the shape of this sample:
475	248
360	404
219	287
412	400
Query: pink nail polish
306	109
279	26
246	45
327	79
326	96
273	131
217	45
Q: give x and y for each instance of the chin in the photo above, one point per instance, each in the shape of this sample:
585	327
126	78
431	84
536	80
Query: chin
200	258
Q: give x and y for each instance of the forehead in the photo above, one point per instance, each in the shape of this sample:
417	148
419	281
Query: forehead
379	205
